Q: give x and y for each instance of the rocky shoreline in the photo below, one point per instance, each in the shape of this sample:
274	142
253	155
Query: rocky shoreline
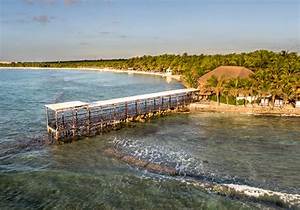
283	200
240	109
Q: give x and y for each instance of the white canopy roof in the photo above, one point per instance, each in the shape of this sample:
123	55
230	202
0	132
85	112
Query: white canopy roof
75	104
66	105
141	97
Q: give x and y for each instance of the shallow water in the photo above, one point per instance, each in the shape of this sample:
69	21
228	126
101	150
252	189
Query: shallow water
224	148
25	92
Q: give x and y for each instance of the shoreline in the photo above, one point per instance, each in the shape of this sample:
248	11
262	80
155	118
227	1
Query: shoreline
194	107
246	110
175	77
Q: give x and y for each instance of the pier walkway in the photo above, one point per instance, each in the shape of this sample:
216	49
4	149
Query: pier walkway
74	119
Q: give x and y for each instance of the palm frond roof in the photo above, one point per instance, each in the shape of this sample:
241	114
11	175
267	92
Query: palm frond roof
226	72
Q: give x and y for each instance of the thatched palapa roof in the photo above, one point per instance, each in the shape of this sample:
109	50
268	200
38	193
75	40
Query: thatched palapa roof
226	72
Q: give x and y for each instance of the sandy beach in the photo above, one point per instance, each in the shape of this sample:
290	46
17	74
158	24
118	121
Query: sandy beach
176	77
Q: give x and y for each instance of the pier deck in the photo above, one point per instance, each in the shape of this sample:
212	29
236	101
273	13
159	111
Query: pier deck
74	119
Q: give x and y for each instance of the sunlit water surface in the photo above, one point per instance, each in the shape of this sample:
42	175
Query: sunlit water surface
224	148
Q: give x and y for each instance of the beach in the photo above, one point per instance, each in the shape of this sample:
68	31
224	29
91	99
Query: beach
212	106
176	77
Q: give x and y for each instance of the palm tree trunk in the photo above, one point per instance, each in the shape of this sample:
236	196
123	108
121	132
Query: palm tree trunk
252	98
273	100
285	100
218	98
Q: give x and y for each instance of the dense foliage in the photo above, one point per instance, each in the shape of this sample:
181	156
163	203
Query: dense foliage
276	73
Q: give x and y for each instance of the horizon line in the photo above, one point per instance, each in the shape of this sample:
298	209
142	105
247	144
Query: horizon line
137	56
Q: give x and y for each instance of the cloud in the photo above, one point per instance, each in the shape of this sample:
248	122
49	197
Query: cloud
83	43
43	19
114	34
28	1
70	2
105	32
107	2
51	2
31	2
116	22
123	36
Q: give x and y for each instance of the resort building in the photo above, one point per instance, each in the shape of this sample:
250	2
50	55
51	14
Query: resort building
264	101
224	72
278	103
169	71
297	102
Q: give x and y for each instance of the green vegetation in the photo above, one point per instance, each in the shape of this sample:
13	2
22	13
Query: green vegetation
276	73
225	99
227	91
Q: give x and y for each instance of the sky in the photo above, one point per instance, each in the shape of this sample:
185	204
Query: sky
44	30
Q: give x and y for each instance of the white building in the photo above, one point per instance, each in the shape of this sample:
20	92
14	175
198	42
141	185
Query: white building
169	71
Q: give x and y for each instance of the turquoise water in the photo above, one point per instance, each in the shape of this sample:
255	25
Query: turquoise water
224	148
24	94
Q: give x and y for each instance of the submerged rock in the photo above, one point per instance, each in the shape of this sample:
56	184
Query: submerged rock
143	164
113	153
157	168
283	200
134	161
279	198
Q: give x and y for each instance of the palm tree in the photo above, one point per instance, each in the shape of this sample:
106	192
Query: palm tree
288	88
248	87
226	91
234	86
263	79
275	88
217	86
278	73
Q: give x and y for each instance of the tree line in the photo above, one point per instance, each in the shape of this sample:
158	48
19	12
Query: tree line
275	73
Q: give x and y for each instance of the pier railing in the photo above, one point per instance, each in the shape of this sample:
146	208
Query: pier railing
74	119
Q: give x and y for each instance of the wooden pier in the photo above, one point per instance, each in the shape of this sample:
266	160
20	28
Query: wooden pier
74	119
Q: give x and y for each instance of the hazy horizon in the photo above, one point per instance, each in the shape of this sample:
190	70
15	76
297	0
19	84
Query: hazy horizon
122	58
53	30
